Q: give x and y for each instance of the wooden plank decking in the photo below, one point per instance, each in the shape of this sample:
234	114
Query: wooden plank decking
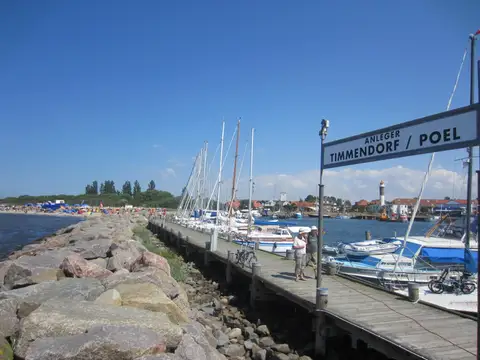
382	317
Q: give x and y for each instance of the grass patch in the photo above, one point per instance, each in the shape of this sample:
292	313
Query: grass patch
178	268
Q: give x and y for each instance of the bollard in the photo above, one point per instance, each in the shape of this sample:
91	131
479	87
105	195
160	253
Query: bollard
257	245
256	269
205	254
322	298
229	238
368	236
413	292
290	254
331	268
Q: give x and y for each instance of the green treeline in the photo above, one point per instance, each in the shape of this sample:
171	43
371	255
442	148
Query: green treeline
107	193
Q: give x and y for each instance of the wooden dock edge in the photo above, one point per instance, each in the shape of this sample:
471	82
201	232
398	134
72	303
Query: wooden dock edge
332	322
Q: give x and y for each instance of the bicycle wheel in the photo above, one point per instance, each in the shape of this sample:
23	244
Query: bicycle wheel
436	287
468	287
238	256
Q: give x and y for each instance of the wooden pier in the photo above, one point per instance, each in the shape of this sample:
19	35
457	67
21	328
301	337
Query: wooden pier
384	321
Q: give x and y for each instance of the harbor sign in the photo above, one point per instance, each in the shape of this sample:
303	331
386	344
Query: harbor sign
444	131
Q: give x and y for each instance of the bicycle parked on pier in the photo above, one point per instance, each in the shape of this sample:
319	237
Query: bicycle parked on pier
452	285
246	254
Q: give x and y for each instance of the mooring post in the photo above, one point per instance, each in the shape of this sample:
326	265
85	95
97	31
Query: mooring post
413	292
228	273
205	254
187	247
331	268
289	254
368	236
256	269
257	245
320	326
179	238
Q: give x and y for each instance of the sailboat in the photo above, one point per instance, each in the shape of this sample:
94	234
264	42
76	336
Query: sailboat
277	241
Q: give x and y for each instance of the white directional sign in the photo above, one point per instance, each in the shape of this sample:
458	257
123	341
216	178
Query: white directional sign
445	131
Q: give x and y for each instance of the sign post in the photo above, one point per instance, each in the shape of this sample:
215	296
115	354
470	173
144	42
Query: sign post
449	130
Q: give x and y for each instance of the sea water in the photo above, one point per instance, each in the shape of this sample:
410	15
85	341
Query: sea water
17	230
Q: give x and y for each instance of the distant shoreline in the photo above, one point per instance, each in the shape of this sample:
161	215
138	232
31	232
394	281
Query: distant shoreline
41	213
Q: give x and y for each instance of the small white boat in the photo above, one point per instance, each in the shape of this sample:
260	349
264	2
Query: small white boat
450	301
370	247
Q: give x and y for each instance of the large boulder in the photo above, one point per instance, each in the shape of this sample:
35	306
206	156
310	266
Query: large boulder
19	275
151	275
196	348
150	297
57	317
77	266
107	342
149	259
109	297
28	270
8	317
4	266
123	255
92	249
29	298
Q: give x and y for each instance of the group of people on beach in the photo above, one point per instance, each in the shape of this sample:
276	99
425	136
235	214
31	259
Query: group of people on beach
305	246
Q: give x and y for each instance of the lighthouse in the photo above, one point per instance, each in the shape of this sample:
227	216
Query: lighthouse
382	193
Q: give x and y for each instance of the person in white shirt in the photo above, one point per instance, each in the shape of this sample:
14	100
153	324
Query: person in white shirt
300	247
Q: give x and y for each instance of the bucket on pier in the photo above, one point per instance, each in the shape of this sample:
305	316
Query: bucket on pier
413	291
289	254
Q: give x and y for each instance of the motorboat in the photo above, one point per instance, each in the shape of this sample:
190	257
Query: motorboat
370	247
278	241
419	259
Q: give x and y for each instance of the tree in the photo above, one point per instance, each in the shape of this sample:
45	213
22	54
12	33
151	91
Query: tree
137	189
348	204
311	198
102	188
151	185
447	198
127	188
95	187
92	189
108	187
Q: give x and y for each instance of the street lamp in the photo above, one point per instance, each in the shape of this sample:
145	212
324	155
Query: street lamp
323	135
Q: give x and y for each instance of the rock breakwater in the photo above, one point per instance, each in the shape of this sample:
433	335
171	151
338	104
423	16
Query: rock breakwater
95	290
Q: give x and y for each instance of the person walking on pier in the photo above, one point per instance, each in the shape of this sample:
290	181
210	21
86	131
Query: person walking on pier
312	246
300	247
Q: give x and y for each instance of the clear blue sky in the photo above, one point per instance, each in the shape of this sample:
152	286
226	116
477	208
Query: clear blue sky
124	89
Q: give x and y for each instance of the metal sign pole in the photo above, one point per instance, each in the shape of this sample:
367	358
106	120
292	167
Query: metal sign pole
478	220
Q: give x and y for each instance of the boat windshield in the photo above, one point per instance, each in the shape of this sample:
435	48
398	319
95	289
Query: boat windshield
450	228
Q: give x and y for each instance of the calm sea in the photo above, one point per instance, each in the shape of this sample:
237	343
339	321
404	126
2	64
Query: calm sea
17	230
348	230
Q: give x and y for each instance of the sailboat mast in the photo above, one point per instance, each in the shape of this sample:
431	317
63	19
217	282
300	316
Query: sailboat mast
235	168
251	187
220	173
204	190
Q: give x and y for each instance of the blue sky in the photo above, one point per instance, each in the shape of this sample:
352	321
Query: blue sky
125	90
